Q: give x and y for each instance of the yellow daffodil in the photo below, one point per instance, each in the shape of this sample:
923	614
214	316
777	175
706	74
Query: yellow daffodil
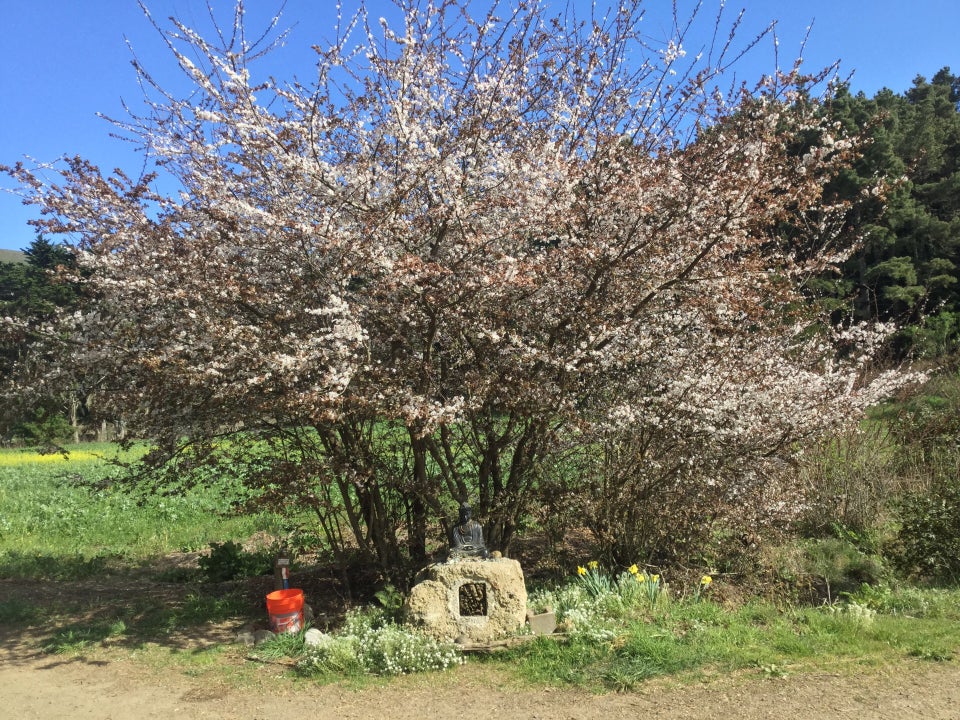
641	577
593	564
633	569
655	578
706	580
581	570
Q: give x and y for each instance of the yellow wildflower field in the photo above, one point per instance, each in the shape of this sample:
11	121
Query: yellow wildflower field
17	458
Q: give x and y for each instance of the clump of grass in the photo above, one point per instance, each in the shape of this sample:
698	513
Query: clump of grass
824	569
78	638
282	645
19	612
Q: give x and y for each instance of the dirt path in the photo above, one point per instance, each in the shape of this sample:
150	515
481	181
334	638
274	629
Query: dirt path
33	685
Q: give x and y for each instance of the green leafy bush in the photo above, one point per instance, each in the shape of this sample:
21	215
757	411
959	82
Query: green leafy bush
391	600
928	542
44	428
229	561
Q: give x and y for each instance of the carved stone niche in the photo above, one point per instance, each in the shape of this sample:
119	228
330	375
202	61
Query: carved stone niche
469	600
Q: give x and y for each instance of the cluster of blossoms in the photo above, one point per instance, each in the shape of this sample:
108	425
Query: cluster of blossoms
855	612
495	236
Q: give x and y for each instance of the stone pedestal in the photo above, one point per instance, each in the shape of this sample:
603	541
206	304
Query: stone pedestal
469	600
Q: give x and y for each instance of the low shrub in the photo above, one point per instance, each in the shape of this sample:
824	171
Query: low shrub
850	479
370	643
928	542
229	561
825	568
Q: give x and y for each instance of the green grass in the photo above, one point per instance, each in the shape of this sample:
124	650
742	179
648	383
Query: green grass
78	638
12	256
68	518
688	639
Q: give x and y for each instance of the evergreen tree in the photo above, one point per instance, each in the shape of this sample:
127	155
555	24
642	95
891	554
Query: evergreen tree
31	295
907	269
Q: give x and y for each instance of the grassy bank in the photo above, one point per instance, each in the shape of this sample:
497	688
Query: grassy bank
64	515
617	644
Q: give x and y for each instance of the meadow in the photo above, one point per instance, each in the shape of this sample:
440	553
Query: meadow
65	516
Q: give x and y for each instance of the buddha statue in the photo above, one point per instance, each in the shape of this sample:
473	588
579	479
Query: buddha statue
466	537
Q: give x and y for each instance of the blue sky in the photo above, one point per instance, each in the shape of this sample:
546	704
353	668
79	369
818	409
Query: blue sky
64	61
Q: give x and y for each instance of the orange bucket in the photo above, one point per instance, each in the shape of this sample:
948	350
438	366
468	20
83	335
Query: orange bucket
285	608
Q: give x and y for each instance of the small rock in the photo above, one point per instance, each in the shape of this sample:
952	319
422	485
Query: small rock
314	637
542	623
262	636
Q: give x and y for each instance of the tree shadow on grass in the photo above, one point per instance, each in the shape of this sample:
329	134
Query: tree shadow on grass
15	564
69	627
71	612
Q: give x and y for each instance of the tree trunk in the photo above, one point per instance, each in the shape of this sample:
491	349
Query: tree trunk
74	421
